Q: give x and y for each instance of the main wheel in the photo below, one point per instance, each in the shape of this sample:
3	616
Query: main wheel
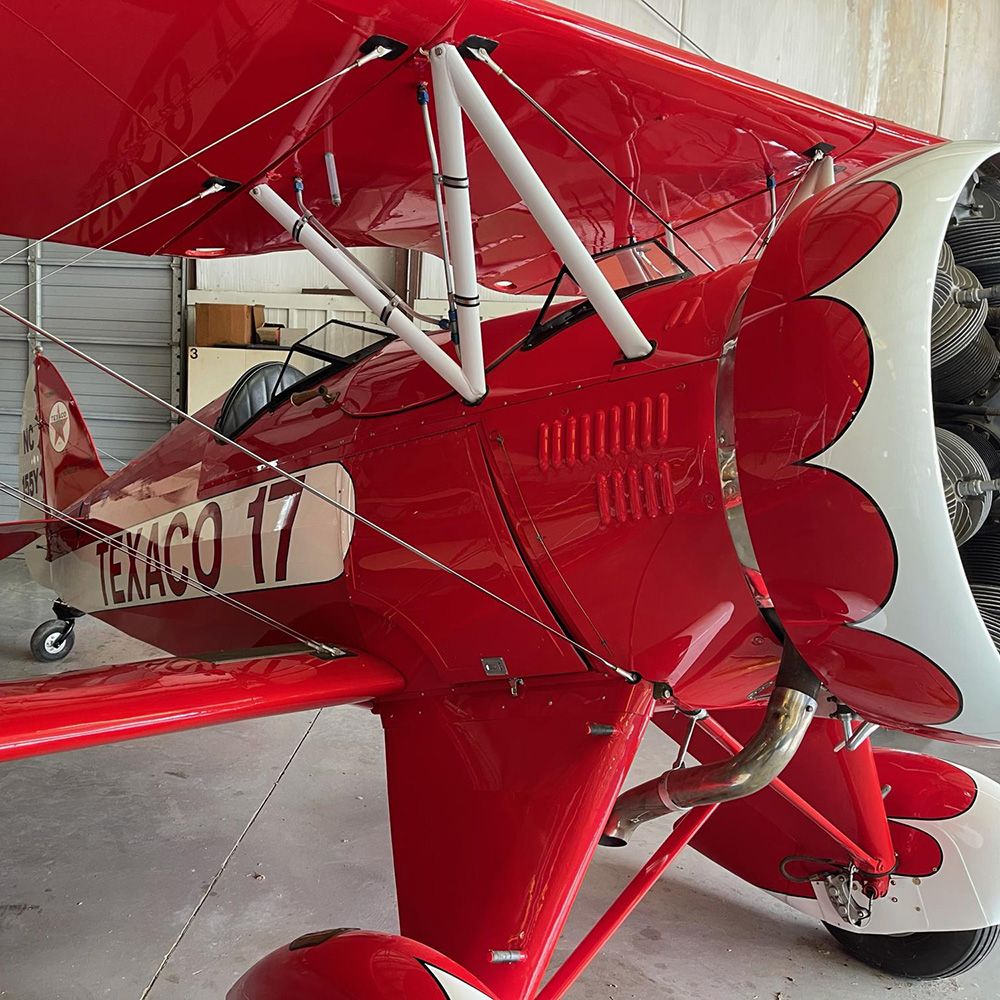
921	955
52	640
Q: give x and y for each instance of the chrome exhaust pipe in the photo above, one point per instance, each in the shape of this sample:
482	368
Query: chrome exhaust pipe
790	709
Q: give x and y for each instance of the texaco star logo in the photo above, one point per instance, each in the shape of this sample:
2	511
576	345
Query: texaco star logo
59	425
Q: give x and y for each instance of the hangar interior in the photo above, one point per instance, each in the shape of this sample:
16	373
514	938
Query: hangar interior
163	868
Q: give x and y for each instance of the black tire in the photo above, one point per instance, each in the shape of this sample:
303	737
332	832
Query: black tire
51	641
922	955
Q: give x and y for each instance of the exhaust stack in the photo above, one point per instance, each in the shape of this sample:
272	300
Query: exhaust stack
790	709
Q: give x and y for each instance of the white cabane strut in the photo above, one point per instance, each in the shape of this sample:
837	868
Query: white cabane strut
346	271
457	90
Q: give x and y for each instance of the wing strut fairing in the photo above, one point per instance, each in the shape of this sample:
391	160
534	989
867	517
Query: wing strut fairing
462	92
468	379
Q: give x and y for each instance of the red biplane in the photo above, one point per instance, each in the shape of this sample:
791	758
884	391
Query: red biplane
734	479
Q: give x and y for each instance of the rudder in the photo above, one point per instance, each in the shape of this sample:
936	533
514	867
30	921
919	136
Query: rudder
58	458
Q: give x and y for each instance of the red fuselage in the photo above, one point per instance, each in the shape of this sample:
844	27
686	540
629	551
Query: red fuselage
582	489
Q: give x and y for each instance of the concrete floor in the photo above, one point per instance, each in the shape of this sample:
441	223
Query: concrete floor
164	868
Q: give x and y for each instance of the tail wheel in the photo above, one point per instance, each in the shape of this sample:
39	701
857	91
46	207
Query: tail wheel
921	955
52	640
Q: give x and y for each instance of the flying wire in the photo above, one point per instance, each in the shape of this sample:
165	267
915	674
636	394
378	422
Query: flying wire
107	454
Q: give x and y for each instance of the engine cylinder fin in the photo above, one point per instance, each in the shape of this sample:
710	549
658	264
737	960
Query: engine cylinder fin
981	557
964	357
969	371
985	443
988	601
975	241
953	326
961	462
964	366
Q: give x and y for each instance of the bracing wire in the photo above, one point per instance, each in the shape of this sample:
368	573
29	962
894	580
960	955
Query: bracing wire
483	56
49	511
107	454
390	293
214	189
423	100
777	215
628	675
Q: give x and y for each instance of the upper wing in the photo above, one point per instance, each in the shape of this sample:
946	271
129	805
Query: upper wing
136	87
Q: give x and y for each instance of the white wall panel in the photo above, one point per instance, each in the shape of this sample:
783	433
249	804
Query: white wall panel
970	107
289	271
633	15
926	63
883	57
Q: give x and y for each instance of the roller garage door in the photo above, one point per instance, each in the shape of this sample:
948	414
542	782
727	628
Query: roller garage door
125	311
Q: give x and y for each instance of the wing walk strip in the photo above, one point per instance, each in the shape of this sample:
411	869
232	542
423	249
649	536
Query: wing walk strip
627	675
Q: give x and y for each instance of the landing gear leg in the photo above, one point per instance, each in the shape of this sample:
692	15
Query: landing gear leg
54	639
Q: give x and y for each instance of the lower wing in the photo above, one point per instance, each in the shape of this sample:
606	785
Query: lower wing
108	704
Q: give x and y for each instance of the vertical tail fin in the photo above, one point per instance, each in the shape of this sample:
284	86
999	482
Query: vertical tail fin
58	458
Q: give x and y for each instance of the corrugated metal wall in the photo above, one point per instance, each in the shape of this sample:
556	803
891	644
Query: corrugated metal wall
13	369
126	311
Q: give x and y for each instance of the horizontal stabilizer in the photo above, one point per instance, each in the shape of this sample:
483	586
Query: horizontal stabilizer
14	535
62	535
109	704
